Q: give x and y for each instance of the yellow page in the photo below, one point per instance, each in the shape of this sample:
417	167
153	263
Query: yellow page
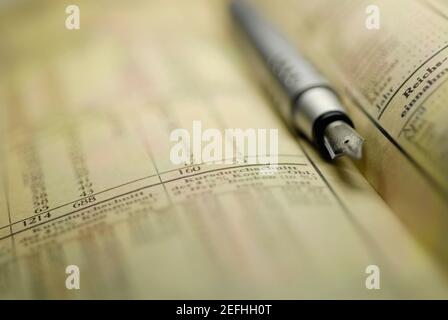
87	179
393	80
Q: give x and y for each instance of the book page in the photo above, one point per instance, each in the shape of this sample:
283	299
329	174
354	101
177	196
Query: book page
393	80
87	180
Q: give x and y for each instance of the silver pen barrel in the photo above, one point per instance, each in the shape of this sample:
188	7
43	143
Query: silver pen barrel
304	98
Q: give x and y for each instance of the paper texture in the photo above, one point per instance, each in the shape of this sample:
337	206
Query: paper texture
87	180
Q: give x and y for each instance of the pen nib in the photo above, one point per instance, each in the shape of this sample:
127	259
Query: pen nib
341	139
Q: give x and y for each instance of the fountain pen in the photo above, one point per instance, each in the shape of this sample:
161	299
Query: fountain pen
304	98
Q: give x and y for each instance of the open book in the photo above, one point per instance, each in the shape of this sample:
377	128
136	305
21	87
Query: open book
87	183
